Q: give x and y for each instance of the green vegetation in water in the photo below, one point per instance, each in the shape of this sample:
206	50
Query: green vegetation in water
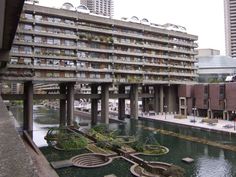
65	139
150	147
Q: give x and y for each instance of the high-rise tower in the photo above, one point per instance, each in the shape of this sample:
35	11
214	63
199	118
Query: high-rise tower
101	7
230	27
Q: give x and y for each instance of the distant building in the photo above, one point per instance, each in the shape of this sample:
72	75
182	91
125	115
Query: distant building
100	7
215	68
230	27
207	52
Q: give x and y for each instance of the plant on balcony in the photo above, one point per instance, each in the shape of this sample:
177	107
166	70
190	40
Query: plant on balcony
82	36
110	40
102	39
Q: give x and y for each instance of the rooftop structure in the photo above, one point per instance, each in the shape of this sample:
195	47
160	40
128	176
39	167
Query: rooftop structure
207	52
66	45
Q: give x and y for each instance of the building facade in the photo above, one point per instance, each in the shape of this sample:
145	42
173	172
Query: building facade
207	52
58	45
100	7
230	27
210	100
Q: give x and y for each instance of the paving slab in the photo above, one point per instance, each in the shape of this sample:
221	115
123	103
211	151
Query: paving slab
15	160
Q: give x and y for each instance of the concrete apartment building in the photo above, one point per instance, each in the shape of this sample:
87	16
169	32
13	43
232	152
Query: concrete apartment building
58	45
100	7
230	27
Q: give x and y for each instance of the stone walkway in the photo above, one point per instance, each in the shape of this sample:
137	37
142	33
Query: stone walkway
198	124
15	161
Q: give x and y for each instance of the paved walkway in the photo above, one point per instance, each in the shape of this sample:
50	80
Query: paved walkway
198	124
15	161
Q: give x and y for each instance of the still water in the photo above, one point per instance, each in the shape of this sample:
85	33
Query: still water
209	161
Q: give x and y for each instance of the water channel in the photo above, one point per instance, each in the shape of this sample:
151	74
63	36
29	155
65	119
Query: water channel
209	161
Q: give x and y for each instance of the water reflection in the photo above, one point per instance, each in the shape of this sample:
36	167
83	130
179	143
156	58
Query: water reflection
209	161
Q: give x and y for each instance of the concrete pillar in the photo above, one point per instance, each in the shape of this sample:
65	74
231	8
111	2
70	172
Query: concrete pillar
134	101
171	99
156	103
70	104
62	106
121	103
94	105
161	99
28	108
105	104
145	101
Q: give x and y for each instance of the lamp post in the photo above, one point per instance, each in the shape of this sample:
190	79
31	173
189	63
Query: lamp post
194	110
165	107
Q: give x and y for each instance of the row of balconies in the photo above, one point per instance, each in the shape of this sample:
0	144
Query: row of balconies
71	63
111	52
110	32
92	77
100	70
74	47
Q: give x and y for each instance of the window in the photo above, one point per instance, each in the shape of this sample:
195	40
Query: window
38	17
15	49
49	40
37	39
57	41
27	61
37	50
28	38
28	50
28	27
38	28
29	16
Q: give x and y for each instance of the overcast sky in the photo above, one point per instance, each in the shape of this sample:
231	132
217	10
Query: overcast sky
204	18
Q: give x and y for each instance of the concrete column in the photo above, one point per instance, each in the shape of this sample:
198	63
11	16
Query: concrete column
94	105
171	96
121	104
156	103
134	102
28	108
145	101
105	104
62	106
161	99
70	104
